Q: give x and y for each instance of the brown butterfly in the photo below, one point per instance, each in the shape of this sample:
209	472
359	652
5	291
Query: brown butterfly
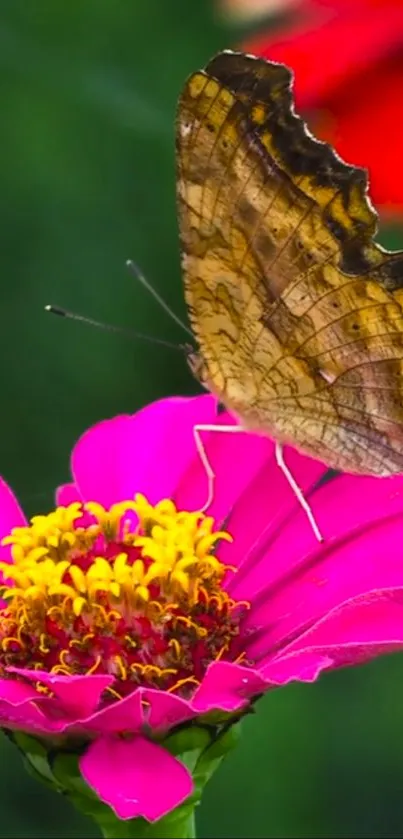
296	311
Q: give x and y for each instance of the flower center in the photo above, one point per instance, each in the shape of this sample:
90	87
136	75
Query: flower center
134	591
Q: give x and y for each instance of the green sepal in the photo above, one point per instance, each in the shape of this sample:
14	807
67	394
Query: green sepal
91	806
66	770
65	766
59	771
212	756
36	759
176	825
188	744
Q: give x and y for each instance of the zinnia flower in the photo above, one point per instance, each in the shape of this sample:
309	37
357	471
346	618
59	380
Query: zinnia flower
348	63
128	614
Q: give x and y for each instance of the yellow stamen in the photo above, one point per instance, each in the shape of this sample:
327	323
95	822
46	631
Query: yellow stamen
190	680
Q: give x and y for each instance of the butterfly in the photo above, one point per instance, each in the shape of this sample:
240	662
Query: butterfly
295	309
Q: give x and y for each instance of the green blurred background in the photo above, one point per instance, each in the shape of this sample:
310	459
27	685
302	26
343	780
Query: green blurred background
87	176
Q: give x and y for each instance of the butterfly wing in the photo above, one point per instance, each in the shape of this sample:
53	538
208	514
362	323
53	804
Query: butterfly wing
296	311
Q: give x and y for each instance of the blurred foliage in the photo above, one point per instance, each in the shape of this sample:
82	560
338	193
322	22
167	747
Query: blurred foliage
87	174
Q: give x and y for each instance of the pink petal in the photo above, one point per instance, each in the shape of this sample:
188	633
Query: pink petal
28	717
250	452
67	494
227	687
16	693
78	695
358	629
362	521
135	777
147	452
165	709
261	514
11	516
303	666
127	715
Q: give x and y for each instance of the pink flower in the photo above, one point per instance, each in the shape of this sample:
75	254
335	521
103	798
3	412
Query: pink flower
129	617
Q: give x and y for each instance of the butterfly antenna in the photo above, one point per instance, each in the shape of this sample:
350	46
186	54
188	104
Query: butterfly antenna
108	327
144	282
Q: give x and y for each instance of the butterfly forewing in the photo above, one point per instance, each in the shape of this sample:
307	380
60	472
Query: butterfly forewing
296	311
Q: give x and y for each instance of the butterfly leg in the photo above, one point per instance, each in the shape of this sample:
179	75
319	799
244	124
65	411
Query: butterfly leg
197	430
296	490
231	429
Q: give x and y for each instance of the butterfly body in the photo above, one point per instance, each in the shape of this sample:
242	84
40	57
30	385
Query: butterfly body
297	312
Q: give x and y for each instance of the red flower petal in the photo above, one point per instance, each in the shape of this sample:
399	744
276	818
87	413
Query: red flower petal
348	73
315	55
